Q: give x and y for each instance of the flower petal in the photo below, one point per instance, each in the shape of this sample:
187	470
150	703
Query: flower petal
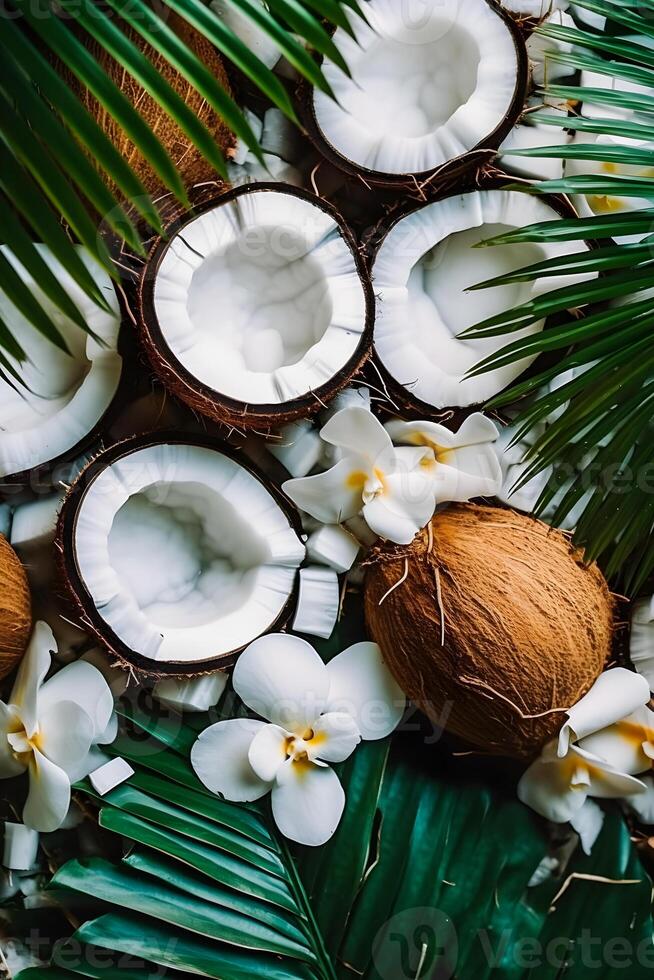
66	734
9	765
472	471
476	429
606	782
220	760
615	694
333	496
546	788
622	744
283	679
362	685
307	802
335	737
83	684
403	508
268	751
33	668
49	795
588	822
643	803
358	431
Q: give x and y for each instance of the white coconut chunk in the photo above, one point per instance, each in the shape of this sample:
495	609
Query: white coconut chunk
424	89
539	9
65	395
333	545
21	845
318	602
247	30
299	448
34	522
185	553
539	47
422	274
110	775
193	694
532	133
260	298
359	528
5	520
348	398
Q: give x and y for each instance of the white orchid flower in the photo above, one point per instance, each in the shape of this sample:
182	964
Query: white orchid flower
315	714
462	464
607	738
48	729
390	486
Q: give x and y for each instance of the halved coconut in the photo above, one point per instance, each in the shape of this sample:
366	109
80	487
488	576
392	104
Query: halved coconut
65	396
258	309
177	554
422	272
427	87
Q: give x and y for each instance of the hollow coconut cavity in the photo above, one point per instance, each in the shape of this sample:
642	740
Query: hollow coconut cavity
258	310
422	273
63	396
427	86
177	554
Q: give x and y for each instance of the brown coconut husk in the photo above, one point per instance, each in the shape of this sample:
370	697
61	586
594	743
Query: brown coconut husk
497	627
193	167
15	609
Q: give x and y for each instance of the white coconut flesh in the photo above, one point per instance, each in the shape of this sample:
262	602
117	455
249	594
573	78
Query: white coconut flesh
64	395
426	86
184	552
421	276
260	298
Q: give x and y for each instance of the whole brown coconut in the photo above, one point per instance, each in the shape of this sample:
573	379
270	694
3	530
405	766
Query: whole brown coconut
194	169
527	625
15	609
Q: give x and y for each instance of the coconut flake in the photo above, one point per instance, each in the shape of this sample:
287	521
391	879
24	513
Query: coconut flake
21	845
298	448
110	775
424	89
193	694
422	272
260	298
333	545
184	552
65	395
318	602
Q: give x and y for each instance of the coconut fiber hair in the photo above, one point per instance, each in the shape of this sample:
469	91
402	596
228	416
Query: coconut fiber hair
497	627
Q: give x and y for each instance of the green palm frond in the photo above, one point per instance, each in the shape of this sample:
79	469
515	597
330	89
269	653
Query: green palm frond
61	166
599	444
427	875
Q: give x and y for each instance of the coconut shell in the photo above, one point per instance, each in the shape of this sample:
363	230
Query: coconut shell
194	169
228	412
527	625
15	609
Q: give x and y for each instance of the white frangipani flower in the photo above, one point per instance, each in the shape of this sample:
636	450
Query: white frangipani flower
388	485
607	739
315	714
396	475
462	464
49	728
